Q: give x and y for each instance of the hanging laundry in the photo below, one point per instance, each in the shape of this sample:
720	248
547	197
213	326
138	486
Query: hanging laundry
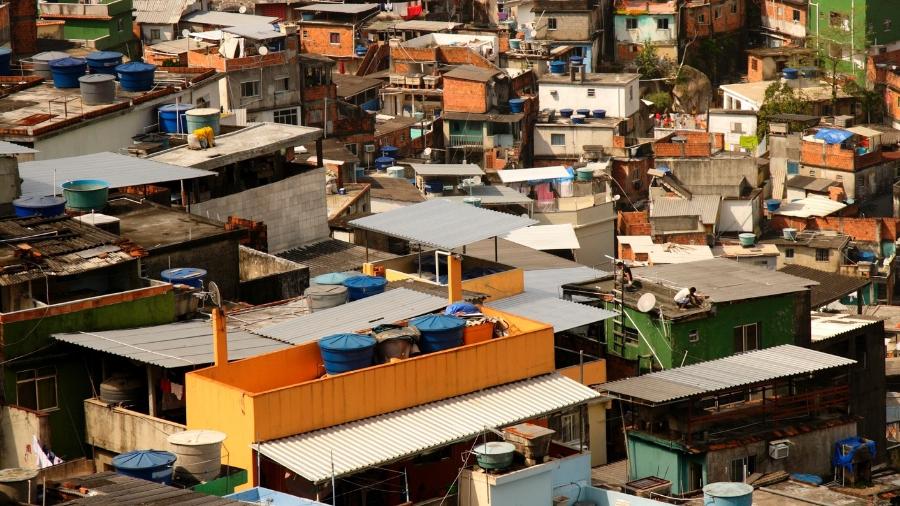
177	390
165	386
412	12
43	459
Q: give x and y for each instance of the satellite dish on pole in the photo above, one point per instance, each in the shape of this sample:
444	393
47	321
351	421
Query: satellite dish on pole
646	303
242	9
426	152
215	296
185	33
263	50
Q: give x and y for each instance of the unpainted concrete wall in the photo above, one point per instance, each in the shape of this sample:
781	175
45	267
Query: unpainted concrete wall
218	256
121	430
267	278
17	427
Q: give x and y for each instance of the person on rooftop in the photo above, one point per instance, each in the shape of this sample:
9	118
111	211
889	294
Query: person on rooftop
687	297
625	272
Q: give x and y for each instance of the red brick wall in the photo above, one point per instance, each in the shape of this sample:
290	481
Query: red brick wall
754	69
23	29
317	40
634	223
833	157
465	96
624	173
859	229
726	22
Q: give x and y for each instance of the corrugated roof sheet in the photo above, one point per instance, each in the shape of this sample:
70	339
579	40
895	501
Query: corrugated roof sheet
831	286
810	206
179	46
182	344
117	170
815	184
112	488
725	373
255	32
9	148
723	280
447	169
426	26
493	195
355	446
545	237
160	12
442	224
828	325
561	314
704	206
388	307
549	281
219	18
339	8
535	174
472	73
333	255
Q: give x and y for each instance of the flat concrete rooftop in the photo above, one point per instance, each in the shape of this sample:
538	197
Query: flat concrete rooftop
153	226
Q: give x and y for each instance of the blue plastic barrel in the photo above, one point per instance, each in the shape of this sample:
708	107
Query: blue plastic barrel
439	332
773	204
790	73
66	71
5	59
361	50
575	60
434	186
383	162
104	62
584	112
333	278
577	119
557	67
189	276
361	287
136	76
599	113
516	105
866	256
346	352
389	151
566	113
34	205
169	116
150	465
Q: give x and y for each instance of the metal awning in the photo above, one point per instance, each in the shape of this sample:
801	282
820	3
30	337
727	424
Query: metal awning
447	169
535	174
442	224
493	196
545	237
550	281
117	170
545	308
388	307
352	447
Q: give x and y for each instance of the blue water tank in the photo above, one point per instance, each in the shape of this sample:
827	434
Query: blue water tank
727	494
104	62
34	205
190	276
576	60
516	105
136	76
557	67
150	465
599	113
5	59
203	117
584	112
435	186
790	73
361	50
66	71
439	332
333	278
170	115
566	113
383	162
577	119
346	352
866	256
361	287
389	151
773	204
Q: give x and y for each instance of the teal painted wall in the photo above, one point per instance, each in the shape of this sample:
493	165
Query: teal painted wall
649	456
671	340
646	27
30	346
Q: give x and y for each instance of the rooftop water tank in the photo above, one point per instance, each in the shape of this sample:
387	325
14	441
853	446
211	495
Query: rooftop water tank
97	89
333	278
557	67
728	494
789	233
472	201
18	486
319	297
361	287
199	454
516	105
494	454
203	117
383	162
150	465
439	332
790	73
39	205
434	186
347	352
361	50
190	276
599	113
390	151
566	112
747	239
773	204
66	71
86	194
104	62
5	60
40	62
584	112
169	116
515	43
584	174
576	60
136	76
122	390
397	171
577	119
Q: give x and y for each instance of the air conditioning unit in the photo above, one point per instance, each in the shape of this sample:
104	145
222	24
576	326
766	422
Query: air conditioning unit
370	148
779	449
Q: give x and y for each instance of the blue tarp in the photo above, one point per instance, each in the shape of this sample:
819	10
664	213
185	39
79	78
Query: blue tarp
839	459
833	136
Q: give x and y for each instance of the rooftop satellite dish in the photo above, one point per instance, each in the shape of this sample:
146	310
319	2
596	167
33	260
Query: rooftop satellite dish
532	33
263	50
185	33
242	9
646	302
215	295
426	152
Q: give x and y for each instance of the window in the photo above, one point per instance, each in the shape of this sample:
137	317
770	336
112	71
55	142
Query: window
780	11
734	8
822	254
315	116
282	84
631	24
557	139
351	148
742	468
695	476
249	89
334	38
631	93
789	253
551	23
746	337
754	64
898	101
796	15
793	168
812	172
285	116
701	18
717	13
590	92
154	34
737	127
305	34
36	388
887	25
121	24
693	335
662	23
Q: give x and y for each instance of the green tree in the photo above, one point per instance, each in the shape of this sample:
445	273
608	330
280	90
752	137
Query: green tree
662	100
872	101
779	99
648	62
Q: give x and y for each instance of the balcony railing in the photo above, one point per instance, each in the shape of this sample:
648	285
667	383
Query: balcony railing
466	140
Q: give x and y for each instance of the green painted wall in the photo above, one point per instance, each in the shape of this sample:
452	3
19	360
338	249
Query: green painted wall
671	340
115	33
867	26
650	456
30	346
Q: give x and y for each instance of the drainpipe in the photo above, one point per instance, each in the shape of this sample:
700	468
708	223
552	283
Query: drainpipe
220	337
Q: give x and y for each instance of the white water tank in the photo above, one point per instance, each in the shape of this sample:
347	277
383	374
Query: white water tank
199	454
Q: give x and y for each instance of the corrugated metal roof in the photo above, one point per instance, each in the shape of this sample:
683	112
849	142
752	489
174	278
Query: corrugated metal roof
179	46
827	325
355	446
724	373
9	148
218	18
724	280
545	237
117	170
339	8
173	345
447	169
549	281
472	73
535	174
492	195
442	224
160	12
831	286
257	32
388	307
547	308
704	206
810	206
112	488
816	184
426	26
